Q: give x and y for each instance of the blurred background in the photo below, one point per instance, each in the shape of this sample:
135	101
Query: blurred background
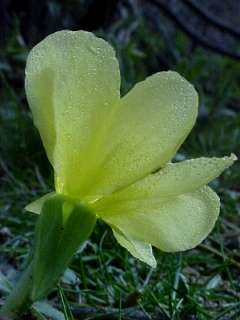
200	40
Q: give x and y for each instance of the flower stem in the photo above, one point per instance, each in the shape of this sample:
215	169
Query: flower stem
62	227
19	299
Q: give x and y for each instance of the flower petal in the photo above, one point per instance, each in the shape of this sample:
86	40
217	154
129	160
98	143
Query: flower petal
72	83
139	249
175	225
177	178
149	125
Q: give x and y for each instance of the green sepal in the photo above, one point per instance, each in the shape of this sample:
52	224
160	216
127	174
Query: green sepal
62	227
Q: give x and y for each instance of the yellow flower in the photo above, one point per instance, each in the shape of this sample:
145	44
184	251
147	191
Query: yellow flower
113	154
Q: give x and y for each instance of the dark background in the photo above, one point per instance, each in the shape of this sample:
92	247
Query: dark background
200	40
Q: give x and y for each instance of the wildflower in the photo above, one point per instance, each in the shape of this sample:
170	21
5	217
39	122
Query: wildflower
113	154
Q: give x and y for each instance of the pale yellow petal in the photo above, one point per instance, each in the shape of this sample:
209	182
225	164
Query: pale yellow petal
177	178
175	225
149	125
72	84
139	249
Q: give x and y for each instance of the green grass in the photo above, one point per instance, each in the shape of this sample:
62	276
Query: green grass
103	280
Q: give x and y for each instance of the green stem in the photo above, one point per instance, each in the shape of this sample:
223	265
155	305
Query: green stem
62	227
19	299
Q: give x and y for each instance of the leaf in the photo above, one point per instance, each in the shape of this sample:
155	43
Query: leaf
48	311
214	282
5	285
70	277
